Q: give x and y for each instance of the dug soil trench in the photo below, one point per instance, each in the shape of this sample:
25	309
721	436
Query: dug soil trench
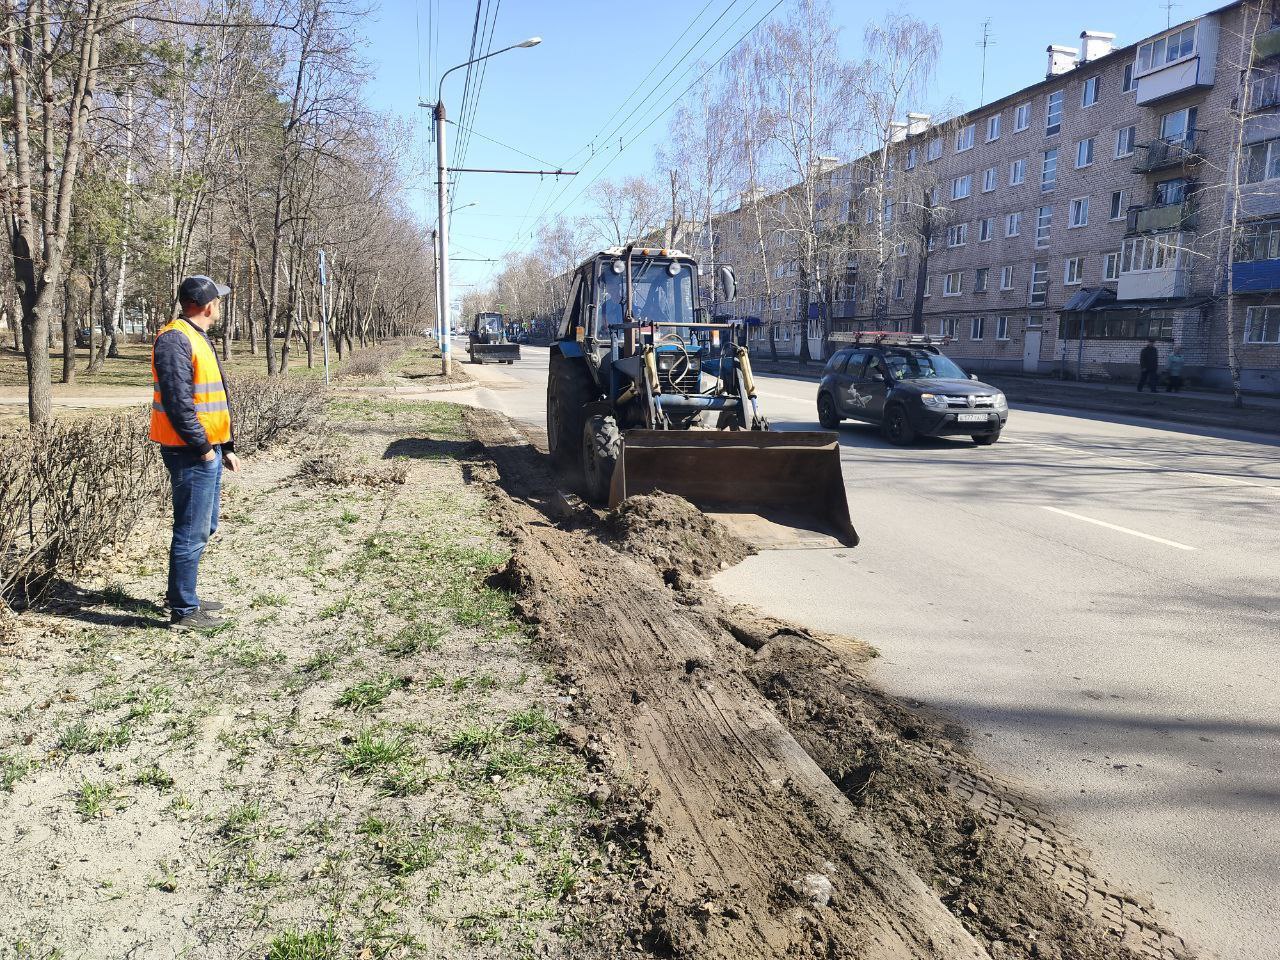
790	810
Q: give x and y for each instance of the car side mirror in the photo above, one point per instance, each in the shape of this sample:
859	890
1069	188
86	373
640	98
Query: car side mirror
877	376
973	376
728	283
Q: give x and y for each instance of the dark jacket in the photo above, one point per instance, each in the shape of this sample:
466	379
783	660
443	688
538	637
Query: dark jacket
1149	358
174	368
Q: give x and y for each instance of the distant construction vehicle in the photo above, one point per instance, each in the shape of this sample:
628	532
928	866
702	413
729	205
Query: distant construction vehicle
487	340
644	394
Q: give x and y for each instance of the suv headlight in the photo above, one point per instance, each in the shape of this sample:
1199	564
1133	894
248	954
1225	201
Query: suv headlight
1001	402
933	401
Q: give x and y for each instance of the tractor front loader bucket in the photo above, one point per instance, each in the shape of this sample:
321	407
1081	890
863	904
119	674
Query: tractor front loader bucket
775	489
501	352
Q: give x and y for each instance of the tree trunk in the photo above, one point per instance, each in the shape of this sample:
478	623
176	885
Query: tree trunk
68	330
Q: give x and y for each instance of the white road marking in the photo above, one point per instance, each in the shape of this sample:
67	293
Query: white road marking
1112	526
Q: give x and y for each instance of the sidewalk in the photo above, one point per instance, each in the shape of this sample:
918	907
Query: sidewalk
1197	407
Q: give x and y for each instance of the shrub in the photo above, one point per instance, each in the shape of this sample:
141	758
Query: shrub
68	490
263	408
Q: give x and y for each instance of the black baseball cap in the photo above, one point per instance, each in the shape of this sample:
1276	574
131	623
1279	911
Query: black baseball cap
200	290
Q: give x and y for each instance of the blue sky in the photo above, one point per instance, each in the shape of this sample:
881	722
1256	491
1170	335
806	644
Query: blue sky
551	100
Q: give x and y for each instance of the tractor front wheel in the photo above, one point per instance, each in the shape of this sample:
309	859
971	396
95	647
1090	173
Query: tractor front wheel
601	446
568	391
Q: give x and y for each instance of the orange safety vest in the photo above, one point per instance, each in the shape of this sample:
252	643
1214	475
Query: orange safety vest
209	393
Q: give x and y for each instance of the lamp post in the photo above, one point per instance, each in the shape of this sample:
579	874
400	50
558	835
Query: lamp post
442	171
442	330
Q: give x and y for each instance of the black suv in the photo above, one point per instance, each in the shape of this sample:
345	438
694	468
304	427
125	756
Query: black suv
906	385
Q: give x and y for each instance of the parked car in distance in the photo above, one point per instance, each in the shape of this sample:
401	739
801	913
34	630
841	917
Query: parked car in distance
83	339
905	384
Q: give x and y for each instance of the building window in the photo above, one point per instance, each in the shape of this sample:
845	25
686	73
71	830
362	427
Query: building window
1084	152
1002	328
1072	271
1089	92
1053	113
953	283
899	288
1170	191
988	179
928	287
964	139
933	242
1258	241
1079	213
947	327
976	325
912	155
1129	82
980	279
1165	50
1262	325
902	248
957	234
993	128
1021	117
1044	224
986	227
1013	224
1111	266
1262	161
1117	205
1116	325
961	187
1006	278
1160	251
1017	172
1125	138
1179	126
935	149
1049	170
1039	283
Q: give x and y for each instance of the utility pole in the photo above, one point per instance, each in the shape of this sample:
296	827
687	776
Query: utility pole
435	253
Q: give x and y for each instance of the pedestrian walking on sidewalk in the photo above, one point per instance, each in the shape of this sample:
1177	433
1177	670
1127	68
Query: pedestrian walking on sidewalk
1176	359
1148	366
191	420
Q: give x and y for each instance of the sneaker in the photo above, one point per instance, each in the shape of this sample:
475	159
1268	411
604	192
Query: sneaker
210	606
200	620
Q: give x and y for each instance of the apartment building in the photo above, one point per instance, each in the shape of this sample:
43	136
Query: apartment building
1075	218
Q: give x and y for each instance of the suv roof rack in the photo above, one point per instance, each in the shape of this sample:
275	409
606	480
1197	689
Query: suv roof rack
888	338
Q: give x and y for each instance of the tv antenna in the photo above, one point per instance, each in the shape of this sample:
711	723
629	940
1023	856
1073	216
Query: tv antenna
984	43
1168	12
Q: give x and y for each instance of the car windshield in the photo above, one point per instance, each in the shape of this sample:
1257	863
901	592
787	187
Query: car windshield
657	296
922	365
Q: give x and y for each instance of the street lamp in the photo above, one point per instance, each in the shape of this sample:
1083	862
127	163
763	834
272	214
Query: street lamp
442	171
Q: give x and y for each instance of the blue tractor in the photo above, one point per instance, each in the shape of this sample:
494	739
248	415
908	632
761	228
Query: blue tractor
645	393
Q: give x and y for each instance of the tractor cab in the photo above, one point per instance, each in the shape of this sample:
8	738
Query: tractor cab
487	340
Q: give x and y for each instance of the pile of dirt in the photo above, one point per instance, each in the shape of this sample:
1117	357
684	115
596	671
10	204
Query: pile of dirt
791	809
674	535
338	470
1012	876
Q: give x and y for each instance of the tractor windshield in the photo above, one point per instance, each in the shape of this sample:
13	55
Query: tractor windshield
658	295
490	323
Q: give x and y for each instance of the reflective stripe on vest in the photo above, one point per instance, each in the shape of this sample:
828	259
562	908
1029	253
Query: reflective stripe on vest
209	394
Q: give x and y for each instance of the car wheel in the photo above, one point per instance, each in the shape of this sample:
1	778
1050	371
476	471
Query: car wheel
896	427
986	439
827	415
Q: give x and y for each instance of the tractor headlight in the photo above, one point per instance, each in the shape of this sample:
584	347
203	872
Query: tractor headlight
618	266
673	268
1001	402
933	401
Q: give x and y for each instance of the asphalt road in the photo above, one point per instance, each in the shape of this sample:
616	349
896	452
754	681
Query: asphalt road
1096	600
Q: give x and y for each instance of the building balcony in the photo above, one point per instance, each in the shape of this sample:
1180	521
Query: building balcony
1255	276
1266	45
1158	217
1170	284
1163	155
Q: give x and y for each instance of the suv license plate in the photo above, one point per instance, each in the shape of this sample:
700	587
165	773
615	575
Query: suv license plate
971	417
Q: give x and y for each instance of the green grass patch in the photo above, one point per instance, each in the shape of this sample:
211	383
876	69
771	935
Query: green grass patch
262	600
373	753
306	945
401	848
416	638
81	738
153	776
95	799
370	693
12	769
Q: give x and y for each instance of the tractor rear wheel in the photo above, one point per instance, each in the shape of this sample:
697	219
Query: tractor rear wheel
601	445
568	390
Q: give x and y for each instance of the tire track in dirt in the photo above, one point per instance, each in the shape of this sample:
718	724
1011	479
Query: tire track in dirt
757	853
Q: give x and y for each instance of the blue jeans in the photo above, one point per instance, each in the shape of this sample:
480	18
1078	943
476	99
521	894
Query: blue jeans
197	486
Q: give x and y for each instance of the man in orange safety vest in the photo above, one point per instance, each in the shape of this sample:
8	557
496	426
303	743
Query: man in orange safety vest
191	420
